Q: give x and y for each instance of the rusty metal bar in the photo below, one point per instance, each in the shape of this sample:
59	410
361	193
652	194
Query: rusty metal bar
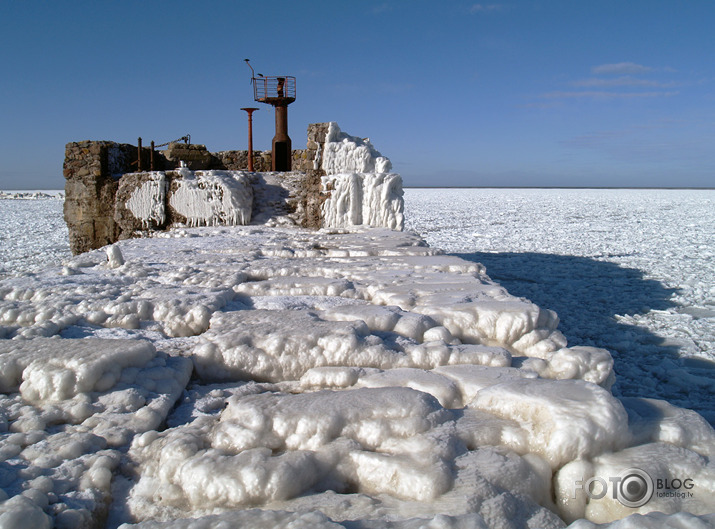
139	155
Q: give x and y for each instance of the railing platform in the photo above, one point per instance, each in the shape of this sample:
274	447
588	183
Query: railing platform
274	90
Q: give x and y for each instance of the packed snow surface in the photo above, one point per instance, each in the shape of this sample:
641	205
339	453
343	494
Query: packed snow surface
276	377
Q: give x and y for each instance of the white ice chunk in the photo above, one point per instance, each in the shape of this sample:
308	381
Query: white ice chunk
271	446
115	259
586	363
653	420
333	377
20	512
510	322
566	419
440	387
56	369
471	379
680	480
384	319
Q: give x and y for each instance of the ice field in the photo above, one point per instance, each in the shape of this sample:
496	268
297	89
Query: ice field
274	377
629	270
33	236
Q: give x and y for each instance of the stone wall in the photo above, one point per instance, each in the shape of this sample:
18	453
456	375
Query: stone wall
93	169
107	199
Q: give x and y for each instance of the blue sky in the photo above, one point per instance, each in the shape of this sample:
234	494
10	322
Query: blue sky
462	93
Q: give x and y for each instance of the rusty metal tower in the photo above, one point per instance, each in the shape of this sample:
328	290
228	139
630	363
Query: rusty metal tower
278	91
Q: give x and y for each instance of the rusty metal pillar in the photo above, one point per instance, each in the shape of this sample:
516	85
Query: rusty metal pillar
250	112
282	152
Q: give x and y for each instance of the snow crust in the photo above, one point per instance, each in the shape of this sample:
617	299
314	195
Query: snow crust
334	378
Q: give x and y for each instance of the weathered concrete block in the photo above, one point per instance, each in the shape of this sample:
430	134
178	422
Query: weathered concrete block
195	156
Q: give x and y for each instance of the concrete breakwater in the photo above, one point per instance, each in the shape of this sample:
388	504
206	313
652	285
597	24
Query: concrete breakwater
339	181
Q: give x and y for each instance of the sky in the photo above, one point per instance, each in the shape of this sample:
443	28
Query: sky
563	93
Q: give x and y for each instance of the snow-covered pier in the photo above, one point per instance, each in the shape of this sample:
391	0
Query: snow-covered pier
108	200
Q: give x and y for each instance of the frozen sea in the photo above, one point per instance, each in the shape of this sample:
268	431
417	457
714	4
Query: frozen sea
629	270
33	236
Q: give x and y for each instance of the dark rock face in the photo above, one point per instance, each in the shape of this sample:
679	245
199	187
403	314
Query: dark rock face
90	192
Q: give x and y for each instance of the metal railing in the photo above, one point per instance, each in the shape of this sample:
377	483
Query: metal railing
273	89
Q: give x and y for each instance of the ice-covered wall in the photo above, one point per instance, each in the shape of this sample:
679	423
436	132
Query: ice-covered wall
359	187
211	198
147	202
371	199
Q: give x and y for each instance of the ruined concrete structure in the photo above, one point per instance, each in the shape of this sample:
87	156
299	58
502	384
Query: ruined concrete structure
107	200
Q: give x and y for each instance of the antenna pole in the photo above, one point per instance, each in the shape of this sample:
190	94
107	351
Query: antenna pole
253	73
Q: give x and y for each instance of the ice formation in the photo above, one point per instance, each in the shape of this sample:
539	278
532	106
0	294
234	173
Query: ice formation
210	198
361	189
373	199
343	153
627	270
276	377
147	201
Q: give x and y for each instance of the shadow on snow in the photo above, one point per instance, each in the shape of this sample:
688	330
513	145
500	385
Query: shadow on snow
587	294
